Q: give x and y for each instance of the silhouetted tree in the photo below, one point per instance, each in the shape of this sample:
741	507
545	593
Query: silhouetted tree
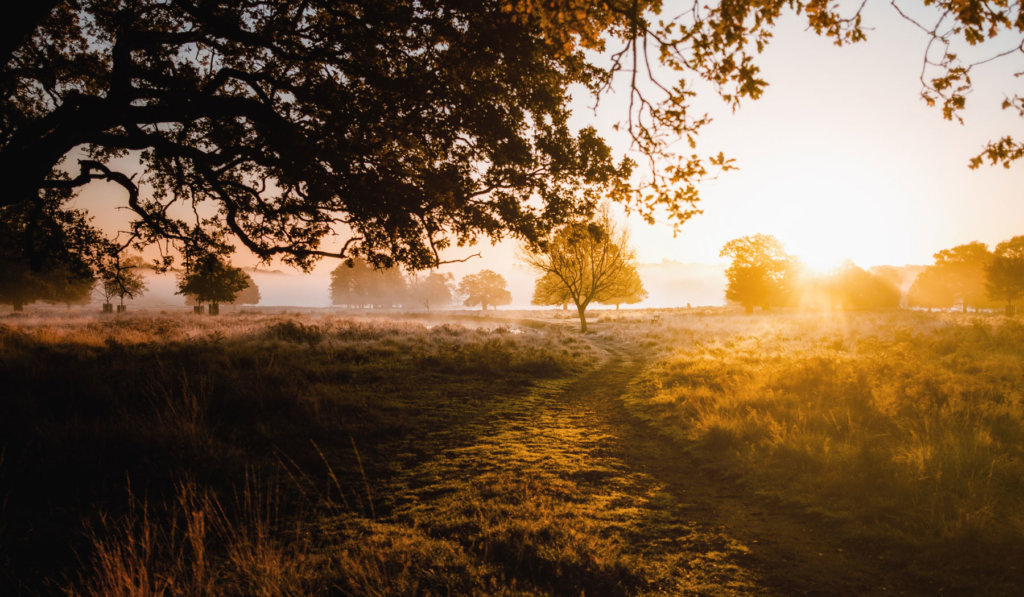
356	283
592	261
46	253
121	277
759	273
485	288
210	279
1006	272
409	121
434	290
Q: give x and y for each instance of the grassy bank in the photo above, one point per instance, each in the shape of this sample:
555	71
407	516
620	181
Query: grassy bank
910	425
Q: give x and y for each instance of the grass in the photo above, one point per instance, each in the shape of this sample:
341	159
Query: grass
911	425
252	454
119	431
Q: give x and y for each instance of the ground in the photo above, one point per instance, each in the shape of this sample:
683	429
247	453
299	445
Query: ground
331	455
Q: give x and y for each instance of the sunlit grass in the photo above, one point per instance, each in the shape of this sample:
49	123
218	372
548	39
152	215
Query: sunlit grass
905	422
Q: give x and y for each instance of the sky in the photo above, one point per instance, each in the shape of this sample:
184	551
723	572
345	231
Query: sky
839	159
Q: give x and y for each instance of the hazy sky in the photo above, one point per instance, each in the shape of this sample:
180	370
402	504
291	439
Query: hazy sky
840	158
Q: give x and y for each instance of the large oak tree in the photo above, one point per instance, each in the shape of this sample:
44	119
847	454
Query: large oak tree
406	126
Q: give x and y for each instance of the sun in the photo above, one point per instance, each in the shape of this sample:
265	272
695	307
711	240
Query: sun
820	261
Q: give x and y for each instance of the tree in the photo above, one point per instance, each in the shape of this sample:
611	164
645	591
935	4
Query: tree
412	122
485	288
46	253
121	277
549	290
930	290
855	288
627	290
433	290
760	272
592	262
962	270
356	283
210	279
1006	272
250	295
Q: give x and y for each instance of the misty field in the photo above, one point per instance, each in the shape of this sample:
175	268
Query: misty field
671	452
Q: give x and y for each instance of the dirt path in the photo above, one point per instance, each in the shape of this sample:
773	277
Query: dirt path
563	492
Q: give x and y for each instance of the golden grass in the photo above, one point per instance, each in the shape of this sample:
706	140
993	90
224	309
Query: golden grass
907	422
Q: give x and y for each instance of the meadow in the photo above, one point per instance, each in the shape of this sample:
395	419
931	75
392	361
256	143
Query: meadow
315	454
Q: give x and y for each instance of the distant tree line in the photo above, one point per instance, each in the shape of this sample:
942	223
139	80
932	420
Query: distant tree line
967	276
356	284
762	274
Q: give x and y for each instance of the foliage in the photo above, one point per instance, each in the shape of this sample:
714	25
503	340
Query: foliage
1006	272
549	290
485	288
274	123
434	290
121	277
958	275
628	290
45	253
855	288
760	273
356	283
211	279
250	295
930	291
590	262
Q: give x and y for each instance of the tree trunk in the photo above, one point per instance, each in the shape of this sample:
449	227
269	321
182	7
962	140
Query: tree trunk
583	318
616	306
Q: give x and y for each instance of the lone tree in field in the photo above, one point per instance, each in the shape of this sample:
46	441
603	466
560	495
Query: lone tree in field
592	262
46	254
211	280
434	290
416	125
485	288
121	278
1006	272
760	272
357	284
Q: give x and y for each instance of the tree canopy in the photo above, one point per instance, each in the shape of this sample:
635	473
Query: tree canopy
406	127
433	290
356	283
210	279
1006	272
586	262
760	272
486	288
121	277
46	253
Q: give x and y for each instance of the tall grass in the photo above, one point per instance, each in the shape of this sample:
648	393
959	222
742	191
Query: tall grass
907	423
186	410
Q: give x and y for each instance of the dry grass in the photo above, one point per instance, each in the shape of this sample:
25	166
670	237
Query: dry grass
910	424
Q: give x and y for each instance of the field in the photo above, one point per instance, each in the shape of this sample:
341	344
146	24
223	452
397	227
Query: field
698	452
